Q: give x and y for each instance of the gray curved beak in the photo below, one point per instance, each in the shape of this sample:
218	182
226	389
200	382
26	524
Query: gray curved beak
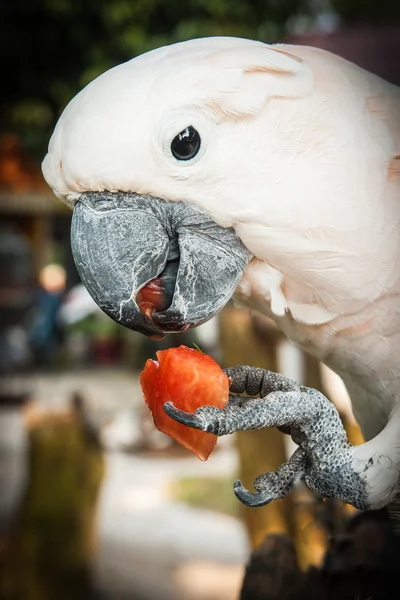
121	241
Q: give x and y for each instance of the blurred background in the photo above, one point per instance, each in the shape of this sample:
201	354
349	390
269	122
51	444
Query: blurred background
94	502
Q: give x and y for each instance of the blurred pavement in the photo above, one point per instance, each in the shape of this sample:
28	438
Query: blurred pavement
149	544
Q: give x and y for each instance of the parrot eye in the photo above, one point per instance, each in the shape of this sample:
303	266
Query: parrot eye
186	144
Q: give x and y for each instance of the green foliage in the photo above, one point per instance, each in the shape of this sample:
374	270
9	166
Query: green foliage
211	493
97	327
52	48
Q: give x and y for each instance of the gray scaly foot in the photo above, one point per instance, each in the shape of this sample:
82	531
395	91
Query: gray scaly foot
324	457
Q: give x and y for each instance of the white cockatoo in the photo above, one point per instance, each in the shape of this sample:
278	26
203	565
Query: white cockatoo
222	166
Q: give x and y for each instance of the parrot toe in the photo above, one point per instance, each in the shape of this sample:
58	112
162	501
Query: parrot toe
273	486
194	420
251	498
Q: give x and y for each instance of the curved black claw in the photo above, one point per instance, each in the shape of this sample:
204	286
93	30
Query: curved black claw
250	498
189	419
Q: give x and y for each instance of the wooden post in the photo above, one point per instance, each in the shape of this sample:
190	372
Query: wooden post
48	554
311	537
259	450
254	341
39	235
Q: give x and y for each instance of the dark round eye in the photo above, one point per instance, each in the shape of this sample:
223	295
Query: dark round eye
186	144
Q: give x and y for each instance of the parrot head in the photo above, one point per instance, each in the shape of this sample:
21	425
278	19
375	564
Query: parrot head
145	156
186	162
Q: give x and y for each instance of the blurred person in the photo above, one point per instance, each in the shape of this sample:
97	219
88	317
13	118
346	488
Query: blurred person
45	333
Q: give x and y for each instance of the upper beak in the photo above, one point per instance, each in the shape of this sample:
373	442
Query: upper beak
121	241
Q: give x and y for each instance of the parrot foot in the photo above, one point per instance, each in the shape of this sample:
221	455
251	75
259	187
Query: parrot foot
324	458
